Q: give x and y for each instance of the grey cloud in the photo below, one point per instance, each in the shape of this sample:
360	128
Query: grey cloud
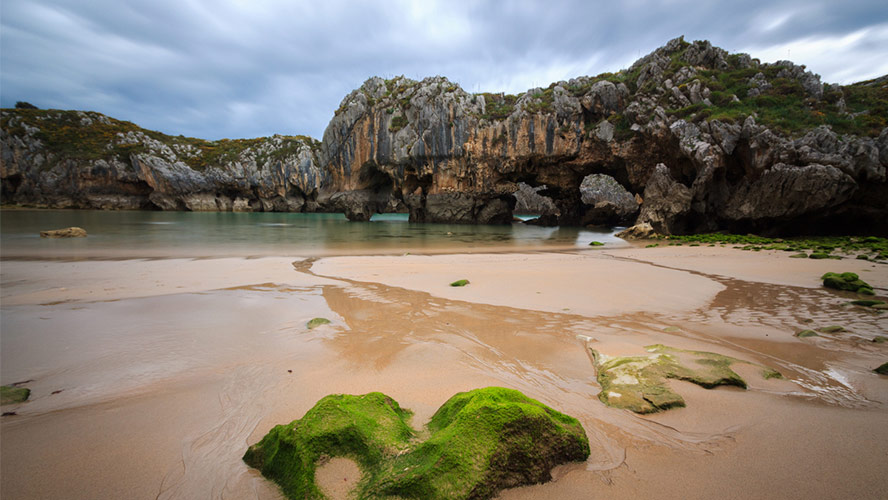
243	69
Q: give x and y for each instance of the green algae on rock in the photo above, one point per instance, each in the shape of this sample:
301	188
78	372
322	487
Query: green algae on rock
880	339
831	329
479	442
638	383
596	244
807	333
868	302
316	322
10	394
847	281
882	369
460	283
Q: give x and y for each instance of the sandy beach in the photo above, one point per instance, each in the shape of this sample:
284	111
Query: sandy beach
150	378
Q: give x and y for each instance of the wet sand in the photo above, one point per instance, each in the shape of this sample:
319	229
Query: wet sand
169	368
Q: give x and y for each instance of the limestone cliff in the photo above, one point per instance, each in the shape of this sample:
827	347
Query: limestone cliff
744	146
700	138
75	159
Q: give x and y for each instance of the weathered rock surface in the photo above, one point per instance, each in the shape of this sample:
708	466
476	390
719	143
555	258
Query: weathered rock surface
68	232
638	232
120	166
608	202
638	383
478	443
711	140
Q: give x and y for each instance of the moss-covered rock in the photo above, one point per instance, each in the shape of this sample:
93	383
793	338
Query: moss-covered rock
868	302
880	339
460	283
596	244
638	383
847	281
807	333
882	369
10	394
802	255
316	322
479	442
831	329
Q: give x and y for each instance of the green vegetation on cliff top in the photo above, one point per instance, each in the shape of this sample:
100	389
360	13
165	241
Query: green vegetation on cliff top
479	442
79	135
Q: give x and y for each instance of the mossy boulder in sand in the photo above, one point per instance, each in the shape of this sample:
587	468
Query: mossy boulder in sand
460	283
882	370
596	244
831	329
638	383
68	232
10	394
479	442
868	303
316	322
807	333
846	281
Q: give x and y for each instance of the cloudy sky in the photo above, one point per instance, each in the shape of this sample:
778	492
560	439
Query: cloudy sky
248	68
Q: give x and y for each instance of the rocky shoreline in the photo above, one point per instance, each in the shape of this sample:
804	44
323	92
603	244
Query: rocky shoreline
688	139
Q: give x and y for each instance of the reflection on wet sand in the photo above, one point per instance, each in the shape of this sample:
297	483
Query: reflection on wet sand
167	391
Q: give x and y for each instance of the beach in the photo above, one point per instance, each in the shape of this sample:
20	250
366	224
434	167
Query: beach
150	377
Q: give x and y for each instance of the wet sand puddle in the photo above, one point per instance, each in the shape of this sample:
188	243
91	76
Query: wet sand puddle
240	360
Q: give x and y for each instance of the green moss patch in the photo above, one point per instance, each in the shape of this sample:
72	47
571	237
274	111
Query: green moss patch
807	333
638	383
880	339
316	322
596	244
10	394
868	303
479	442
882	370
847	281
831	329
460	283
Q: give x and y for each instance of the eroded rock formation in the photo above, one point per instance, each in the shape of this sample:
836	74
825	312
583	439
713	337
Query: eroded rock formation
703	139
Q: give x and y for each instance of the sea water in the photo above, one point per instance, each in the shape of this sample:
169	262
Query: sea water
147	234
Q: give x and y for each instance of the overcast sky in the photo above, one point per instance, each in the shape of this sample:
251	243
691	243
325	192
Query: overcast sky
248	68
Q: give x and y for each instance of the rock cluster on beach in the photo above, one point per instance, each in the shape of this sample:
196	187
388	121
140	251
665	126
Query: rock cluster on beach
478	443
638	383
698	139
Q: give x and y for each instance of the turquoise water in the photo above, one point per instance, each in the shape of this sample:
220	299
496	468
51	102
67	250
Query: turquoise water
129	234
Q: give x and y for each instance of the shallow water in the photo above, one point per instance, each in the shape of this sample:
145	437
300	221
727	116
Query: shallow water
133	234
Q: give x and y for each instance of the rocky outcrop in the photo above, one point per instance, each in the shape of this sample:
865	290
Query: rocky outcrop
528	200
609	202
47	162
707	140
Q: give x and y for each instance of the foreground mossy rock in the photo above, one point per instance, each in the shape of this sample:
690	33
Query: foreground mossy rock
807	333
68	232
882	369
460	283
10	394
638	383
479	442
847	281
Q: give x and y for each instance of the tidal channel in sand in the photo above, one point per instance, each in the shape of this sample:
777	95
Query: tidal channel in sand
150	378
